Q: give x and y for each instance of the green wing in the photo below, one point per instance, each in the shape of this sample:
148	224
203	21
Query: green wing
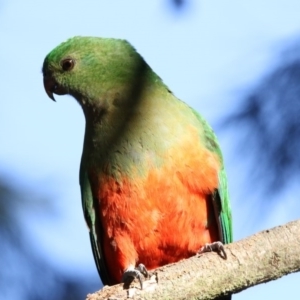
94	227
222	209
221	197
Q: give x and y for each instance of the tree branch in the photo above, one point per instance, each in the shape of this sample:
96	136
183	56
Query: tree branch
262	257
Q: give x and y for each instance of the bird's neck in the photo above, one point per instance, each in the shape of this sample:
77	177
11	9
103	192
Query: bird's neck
109	113
113	104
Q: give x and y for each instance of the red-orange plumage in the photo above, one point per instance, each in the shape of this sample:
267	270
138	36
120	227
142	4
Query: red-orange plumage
161	217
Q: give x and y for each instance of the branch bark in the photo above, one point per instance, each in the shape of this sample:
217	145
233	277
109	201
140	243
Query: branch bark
260	258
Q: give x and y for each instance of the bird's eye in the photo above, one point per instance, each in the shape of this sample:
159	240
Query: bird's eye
67	64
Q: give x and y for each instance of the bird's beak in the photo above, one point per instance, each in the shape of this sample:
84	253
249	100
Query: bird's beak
50	86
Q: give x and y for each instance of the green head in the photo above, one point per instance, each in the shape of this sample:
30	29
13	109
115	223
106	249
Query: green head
93	69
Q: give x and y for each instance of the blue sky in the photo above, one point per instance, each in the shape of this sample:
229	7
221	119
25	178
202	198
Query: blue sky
207	55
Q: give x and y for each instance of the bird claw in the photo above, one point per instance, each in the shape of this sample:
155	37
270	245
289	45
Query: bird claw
215	246
130	273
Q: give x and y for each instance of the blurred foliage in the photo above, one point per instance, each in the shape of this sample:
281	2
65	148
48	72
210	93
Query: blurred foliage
178	3
25	273
268	119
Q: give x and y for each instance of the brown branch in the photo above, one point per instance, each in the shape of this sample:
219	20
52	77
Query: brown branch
262	257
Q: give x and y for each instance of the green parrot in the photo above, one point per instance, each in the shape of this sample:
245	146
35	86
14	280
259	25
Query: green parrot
153	185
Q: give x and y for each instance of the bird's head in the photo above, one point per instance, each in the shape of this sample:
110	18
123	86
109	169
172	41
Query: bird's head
91	69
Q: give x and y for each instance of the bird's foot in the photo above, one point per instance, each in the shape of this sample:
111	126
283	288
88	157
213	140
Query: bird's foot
215	246
131	273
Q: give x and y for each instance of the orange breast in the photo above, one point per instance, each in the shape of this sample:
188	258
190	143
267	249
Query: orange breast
161	217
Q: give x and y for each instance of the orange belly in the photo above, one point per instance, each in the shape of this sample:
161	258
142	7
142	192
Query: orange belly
158	218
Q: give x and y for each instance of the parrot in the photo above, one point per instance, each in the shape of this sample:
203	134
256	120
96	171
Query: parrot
152	178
